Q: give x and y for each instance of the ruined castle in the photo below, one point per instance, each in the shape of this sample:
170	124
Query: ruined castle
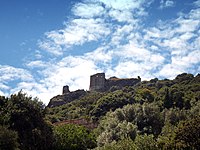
98	83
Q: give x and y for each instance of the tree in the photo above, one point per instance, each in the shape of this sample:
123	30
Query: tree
25	115
8	139
117	125
125	144
146	94
116	131
166	139
145	142
167	101
73	137
187	135
149	119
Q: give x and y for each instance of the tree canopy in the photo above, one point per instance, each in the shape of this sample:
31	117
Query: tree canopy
155	114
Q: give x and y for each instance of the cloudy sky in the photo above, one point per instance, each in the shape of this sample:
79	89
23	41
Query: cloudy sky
45	44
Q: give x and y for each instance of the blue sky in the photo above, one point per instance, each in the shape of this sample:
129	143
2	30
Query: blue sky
48	44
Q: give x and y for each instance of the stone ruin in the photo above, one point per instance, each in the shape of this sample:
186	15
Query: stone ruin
66	89
98	83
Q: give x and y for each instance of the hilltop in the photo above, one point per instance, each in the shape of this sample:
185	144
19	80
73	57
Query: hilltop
98	83
182	92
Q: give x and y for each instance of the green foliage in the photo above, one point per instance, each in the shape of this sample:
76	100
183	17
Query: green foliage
76	109
149	119
116	131
111	101
167	101
166	139
25	115
175	115
124	122
117	125
125	144
8	139
187	135
73	137
145	142
145	94
4	116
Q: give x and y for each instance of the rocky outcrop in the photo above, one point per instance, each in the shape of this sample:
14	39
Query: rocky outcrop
66	98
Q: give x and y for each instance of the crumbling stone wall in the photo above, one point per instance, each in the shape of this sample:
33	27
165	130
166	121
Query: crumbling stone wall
98	82
120	83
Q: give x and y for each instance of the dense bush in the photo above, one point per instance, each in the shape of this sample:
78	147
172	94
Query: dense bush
73	137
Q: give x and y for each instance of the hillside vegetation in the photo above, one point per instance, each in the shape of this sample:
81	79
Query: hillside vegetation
155	114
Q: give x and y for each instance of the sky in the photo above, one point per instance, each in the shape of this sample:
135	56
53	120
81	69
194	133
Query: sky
46	44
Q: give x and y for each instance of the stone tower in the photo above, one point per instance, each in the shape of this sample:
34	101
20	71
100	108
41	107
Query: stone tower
66	89
97	82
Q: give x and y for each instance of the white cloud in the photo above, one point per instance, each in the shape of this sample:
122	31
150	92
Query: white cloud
132	51
51	47
2	93
169	71
92	23
100	55
122	4
72	71
4	87
128	52
121	33
9	73
197	3
36	64
178	39
166	4
187	25
36	90
169	3
180	64
87	10
122	16
133	69
77	32
194	13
